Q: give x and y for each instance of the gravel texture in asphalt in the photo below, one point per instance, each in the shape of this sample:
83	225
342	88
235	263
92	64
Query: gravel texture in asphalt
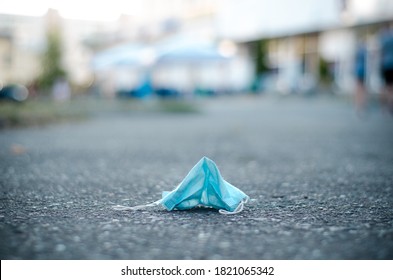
319	178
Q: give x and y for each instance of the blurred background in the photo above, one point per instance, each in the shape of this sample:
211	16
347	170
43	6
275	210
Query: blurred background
285	96
187	48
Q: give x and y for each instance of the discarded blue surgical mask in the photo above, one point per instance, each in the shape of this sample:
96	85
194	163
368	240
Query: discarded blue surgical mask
203	186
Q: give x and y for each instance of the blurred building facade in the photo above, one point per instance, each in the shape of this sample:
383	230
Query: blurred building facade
23	42
303	40
306	40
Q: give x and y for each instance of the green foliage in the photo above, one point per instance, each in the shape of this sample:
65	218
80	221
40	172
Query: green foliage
44	110
176	106
260	57
261	66
38	112
51	62
325	75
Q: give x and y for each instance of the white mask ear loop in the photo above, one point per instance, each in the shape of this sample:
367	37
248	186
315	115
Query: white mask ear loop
138	207
238	209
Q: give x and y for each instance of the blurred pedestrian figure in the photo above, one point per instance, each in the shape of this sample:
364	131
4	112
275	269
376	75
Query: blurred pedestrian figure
360	73
33	89
387	69
61	90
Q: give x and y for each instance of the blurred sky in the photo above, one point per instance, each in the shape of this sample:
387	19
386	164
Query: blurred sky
79	9
263	16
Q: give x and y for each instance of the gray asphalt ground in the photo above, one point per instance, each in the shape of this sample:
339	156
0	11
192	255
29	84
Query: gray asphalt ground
320	180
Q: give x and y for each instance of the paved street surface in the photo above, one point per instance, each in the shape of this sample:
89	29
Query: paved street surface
320	180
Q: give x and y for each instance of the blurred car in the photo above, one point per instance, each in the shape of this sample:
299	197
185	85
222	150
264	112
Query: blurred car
167	92
17	93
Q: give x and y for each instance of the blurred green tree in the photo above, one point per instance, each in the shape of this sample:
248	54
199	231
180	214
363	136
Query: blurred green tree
51	61
260	60
325	75
260	57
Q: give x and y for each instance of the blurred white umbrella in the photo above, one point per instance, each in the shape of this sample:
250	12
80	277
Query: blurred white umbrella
127	55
